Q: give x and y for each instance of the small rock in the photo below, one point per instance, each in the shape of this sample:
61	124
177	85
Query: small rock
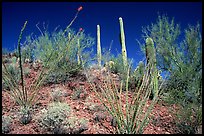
166	133
99	117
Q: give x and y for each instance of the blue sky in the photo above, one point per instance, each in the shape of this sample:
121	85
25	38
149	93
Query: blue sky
106	14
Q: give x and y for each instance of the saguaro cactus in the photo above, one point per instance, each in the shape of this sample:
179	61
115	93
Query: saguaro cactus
151	62
98	46
122	35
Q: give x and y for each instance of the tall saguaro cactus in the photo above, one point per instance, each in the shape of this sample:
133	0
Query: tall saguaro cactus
151	61
98	46
122	35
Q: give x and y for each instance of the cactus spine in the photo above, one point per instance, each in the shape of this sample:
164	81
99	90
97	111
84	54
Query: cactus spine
98	46
122	35
151	61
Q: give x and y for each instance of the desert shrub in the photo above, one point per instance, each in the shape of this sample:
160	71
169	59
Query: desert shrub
57	95
62	47
76	125
64	50
58	119
6	124
27	49
25	115
14	71
189	118
56	77
54	118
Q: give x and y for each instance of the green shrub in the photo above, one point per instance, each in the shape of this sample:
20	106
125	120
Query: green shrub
58	119
64	52
54	119
6	124
13	70
56	77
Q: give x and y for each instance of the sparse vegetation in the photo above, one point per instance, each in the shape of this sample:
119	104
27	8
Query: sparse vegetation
128	95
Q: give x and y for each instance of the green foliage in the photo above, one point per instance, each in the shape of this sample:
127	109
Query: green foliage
27	50
186	78
56	77
6	124
189	118
165	35
64	52
60	45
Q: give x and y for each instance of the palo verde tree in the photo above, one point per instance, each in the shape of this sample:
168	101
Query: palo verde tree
181	58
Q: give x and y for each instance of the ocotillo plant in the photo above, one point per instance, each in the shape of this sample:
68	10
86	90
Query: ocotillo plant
122	38
78	52
98	46
151	61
